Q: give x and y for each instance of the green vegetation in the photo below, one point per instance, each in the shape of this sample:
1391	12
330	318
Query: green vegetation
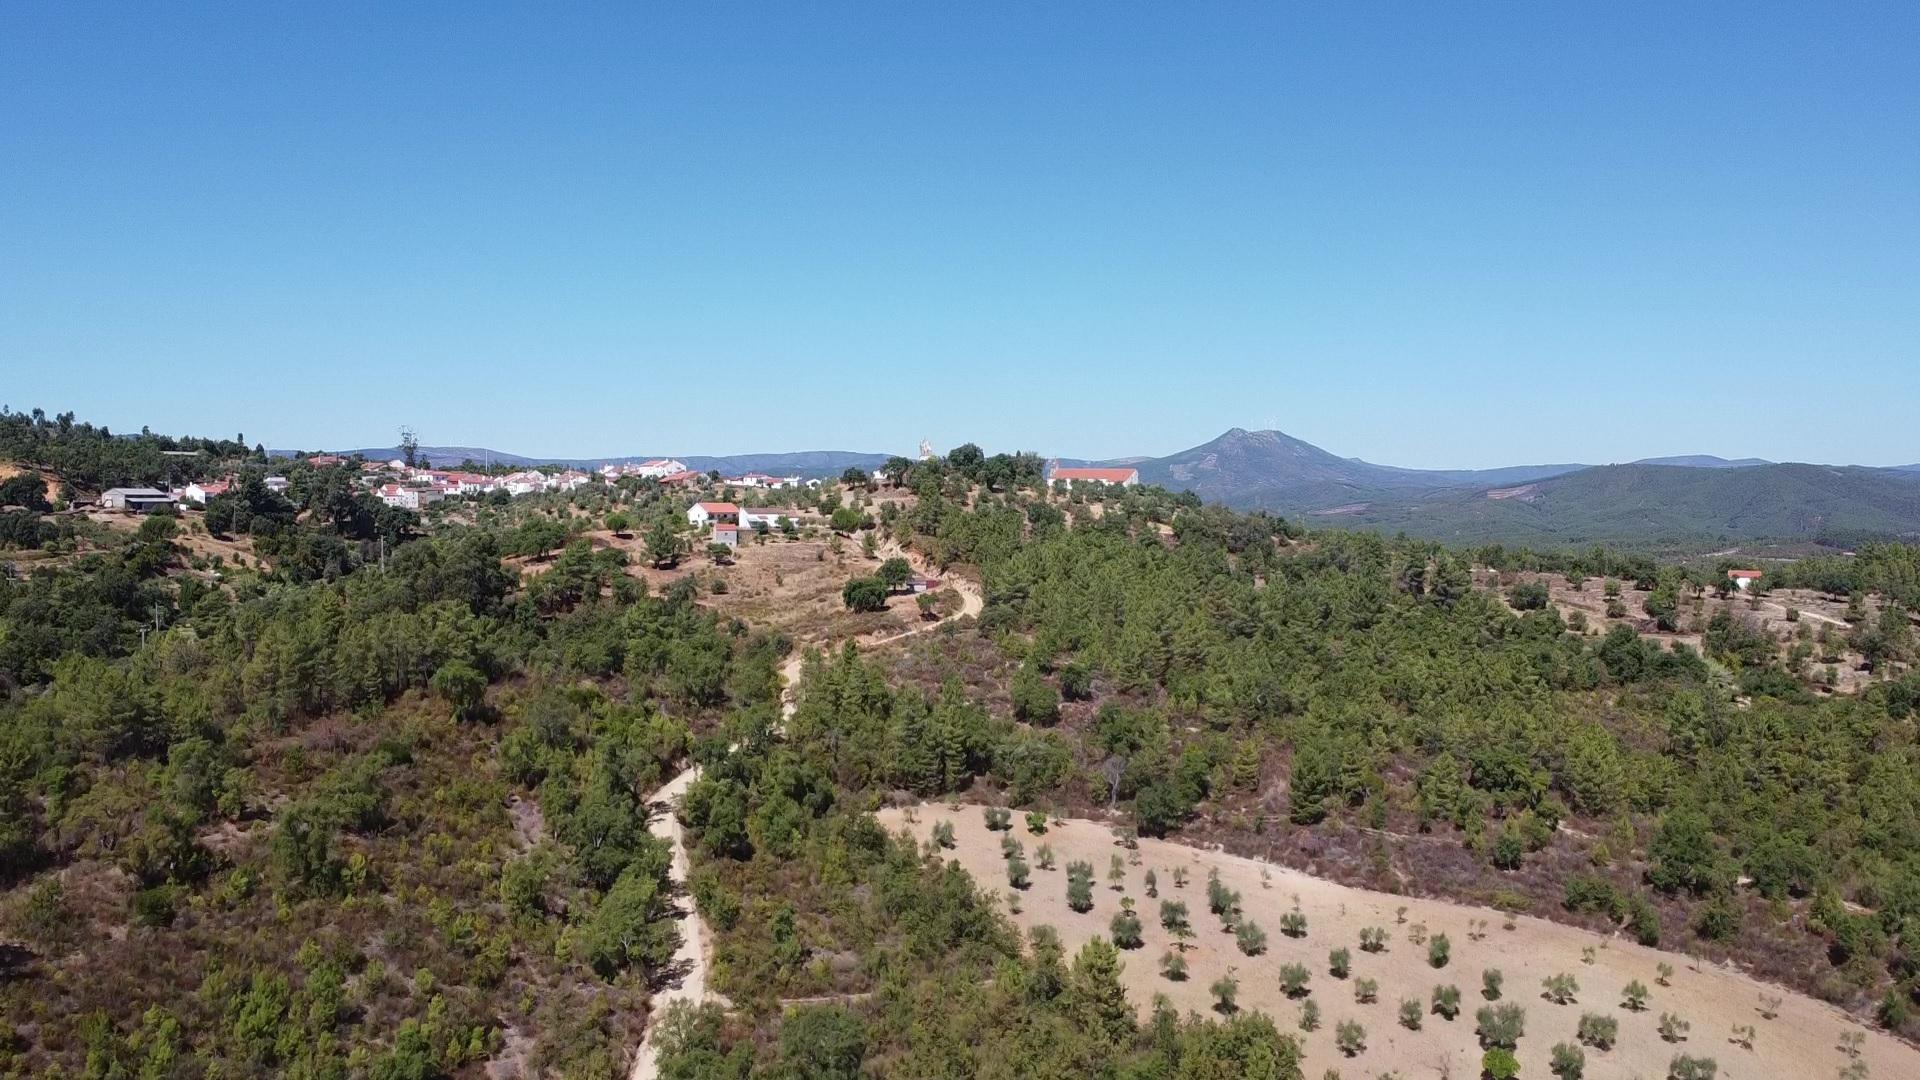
370	810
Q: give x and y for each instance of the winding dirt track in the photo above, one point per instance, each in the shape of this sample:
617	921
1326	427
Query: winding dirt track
692	958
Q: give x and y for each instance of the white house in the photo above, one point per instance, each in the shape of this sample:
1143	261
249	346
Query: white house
409	498
199	493
525	482
652	470
1120	477
1745	579
726	532
768	516
702	513
277	484
571	479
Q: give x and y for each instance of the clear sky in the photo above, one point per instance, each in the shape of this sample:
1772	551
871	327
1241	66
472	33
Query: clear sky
1425	234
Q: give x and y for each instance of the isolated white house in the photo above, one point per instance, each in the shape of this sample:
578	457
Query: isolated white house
1744	579
200	492
700	514
1120	477
754	517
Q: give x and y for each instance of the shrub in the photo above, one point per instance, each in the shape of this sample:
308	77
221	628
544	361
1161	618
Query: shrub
1339	963
1634	996
1226	993
1599	1032
1499	1064
1293	924
1373	939
1017	872
1294	979
1044	854
1174	966
1309	1015
1692	1068
1366	991
1446	1001
1411	1014
1126	930
1034	701
1173	913
1251	939
1569	1062
1439	951
999	818
1080	894
1560	988
1672	1028
943	834
1490	981
1500	1025
1036	822
1349	1037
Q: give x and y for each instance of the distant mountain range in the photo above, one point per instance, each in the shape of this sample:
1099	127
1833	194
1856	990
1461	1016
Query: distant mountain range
1690	497
803	463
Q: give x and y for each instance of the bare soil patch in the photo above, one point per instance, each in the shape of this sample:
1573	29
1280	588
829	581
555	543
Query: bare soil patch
1803	1040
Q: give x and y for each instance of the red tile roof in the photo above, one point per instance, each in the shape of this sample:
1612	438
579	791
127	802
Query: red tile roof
1749	574
718	508
1106	476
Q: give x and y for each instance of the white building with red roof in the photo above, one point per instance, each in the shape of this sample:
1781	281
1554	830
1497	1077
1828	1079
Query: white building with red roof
1745	579
1123	476
700	514
201	492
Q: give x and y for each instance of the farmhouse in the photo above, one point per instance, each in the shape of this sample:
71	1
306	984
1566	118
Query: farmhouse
409	498
199	493
1120	477
703	513
726	532
136	499
1744	579
684	476
757	517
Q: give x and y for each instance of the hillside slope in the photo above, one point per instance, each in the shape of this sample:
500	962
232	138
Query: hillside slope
1660	502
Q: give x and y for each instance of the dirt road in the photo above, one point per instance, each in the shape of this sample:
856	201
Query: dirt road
692	959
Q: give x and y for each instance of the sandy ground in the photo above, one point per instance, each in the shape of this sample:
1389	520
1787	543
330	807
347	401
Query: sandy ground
1801	1042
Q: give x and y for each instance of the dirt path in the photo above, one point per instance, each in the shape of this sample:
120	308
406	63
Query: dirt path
692	959
1803	1040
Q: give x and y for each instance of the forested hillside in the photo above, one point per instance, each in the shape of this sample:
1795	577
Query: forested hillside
374	812
1353	704
373	803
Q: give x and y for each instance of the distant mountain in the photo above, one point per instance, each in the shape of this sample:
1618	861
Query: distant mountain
1704	461
804	462
1686	497
1628	503
1274	470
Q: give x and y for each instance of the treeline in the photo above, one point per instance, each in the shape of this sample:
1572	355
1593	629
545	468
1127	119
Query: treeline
93	458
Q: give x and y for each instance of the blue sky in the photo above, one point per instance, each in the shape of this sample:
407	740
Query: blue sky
1425	234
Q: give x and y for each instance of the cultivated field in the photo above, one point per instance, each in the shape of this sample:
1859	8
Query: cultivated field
1803	1040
